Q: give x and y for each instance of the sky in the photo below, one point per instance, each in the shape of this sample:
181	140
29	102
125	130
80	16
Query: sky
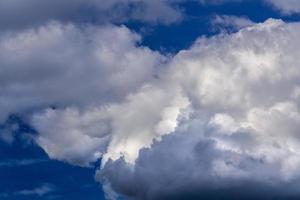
149	100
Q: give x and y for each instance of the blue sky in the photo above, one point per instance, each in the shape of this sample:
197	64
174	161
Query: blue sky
26	167
26	170
197	22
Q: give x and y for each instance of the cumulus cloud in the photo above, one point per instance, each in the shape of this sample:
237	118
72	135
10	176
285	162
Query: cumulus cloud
236	135
62	66
220	119
115	130
66	65
19	14
71	136
221	116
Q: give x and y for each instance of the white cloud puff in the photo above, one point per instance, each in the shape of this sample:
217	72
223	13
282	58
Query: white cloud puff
77	68
64	65
222	115
241	129
72	136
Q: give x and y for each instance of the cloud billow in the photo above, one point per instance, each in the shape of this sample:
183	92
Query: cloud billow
218	119
237	137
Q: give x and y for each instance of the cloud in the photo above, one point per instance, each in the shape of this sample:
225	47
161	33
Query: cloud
229	23
236	135
217	1
72	67
220	116
70	136
66	65
38	191
15	14
83	137
7	132
16	163
286	7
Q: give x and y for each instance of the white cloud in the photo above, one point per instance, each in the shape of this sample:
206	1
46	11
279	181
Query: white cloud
115	130
62	65
221	115
229	23
77	68
286	6
146	115
228	106
241	132
78	138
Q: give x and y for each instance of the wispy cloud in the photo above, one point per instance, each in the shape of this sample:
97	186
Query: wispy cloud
23	162
39	191
229	23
